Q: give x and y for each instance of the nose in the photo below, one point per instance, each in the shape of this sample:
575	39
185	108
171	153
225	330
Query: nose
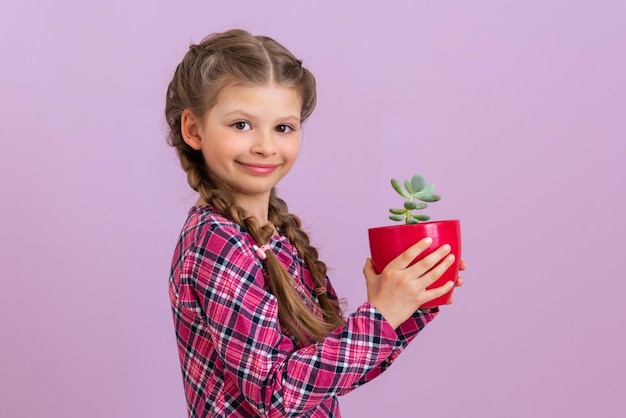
264	143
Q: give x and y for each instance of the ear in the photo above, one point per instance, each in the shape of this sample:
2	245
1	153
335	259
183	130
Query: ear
190	129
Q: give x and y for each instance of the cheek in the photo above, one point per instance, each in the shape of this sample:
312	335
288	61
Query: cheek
293	149
218	149
216	157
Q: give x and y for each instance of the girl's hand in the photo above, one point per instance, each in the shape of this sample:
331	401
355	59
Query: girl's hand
400	289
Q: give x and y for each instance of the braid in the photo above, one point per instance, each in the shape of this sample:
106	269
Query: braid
291	225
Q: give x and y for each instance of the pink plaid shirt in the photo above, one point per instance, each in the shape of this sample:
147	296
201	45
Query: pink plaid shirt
236	360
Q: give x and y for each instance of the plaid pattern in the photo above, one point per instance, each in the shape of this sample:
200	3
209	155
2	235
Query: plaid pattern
236	360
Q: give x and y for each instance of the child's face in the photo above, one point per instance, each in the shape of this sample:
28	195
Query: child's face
251	138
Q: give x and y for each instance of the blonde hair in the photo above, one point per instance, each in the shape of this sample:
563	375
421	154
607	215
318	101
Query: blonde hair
205	70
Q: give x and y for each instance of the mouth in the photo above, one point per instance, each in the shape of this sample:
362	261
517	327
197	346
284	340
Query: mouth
261	169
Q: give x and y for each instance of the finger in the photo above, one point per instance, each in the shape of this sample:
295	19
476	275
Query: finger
437	292
459	281
434	273
368	268
407	257
427	263
462	265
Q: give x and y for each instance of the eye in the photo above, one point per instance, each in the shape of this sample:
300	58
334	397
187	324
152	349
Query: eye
241	125
283	129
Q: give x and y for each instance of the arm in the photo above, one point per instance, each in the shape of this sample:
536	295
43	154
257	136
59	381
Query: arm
406	332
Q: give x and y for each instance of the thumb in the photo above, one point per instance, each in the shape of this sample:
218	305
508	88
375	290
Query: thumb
368	269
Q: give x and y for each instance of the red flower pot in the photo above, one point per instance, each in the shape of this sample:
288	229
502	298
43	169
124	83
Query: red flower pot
387	242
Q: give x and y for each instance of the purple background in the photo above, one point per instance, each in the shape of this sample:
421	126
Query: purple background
514	109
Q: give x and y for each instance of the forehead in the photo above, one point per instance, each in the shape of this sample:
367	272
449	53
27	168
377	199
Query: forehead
259	98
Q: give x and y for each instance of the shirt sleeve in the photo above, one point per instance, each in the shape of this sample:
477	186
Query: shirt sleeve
242	321
406	332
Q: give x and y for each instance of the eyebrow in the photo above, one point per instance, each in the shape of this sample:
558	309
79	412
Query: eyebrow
289	118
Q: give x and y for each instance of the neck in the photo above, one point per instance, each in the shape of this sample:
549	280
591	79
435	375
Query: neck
257	208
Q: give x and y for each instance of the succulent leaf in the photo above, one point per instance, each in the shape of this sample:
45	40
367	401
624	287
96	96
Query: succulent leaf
396	211
420	217
412	222
428	189
398	188
417	183
396	217
429	198
408	205
408	187
420	206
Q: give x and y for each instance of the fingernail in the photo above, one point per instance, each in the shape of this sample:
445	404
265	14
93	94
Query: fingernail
428	240
446	247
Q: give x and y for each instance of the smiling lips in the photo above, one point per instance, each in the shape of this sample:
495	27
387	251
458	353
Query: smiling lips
260	169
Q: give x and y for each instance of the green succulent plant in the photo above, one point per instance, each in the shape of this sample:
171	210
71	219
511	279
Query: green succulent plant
414	189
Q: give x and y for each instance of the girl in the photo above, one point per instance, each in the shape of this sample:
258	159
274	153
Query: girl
258	324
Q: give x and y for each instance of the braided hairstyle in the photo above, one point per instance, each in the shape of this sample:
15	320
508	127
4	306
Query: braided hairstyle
208	67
